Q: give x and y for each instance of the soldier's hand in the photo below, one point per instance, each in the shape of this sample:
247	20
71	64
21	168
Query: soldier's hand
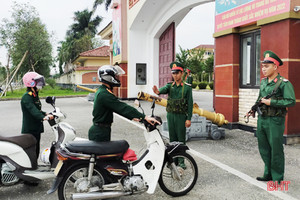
151	120
266	101
188	123
155	90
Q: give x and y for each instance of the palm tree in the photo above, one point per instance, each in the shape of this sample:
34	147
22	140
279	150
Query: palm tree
99	2
84	24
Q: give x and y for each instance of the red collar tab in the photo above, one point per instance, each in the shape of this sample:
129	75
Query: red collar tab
109	91
275	80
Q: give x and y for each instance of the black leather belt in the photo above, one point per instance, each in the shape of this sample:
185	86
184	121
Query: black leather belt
102	125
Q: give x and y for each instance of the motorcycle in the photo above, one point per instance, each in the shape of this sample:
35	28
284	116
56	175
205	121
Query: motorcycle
18	159
100	170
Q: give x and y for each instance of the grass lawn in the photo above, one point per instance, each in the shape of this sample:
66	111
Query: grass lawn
46	91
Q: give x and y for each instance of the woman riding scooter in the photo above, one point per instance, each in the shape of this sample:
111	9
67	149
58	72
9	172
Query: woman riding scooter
33	116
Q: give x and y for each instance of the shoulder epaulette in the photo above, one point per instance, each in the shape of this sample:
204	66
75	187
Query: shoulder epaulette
285	80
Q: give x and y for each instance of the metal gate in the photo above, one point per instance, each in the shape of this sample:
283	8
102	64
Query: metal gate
166	54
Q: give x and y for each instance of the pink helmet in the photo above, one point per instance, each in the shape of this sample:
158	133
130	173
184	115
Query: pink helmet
33	79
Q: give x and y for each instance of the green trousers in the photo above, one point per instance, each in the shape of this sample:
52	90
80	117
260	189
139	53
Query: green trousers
270	143
176	125
99	134
177	132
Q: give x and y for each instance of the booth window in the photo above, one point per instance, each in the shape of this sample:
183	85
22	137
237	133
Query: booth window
141	69
250	60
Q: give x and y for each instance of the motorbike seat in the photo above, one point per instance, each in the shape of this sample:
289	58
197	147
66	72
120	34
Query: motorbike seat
25	140
98	148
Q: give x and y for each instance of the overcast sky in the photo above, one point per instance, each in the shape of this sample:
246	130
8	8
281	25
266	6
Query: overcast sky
195	29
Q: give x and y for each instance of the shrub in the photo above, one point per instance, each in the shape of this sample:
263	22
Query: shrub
202	85
211	85
194	84
51	82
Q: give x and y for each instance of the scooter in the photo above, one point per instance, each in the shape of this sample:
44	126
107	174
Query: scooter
18	159
101	170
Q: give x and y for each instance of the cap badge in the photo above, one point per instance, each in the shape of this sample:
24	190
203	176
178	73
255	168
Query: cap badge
267	55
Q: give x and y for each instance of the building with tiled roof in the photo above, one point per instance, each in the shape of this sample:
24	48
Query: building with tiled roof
209	49
83	70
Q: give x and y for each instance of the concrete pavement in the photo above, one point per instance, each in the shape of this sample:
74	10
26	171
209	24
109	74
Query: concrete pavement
227	168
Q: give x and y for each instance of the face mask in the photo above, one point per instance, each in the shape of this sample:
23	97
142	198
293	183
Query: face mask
39	87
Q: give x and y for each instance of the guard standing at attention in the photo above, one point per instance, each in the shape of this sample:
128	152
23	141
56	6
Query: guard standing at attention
179	104
105	103
271	122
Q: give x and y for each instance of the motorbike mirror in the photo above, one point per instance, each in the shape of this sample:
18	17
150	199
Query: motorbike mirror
51	100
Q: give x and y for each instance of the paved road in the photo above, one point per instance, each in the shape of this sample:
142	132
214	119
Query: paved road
227	168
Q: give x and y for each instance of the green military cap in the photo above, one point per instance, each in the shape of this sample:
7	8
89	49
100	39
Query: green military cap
271	57
176	66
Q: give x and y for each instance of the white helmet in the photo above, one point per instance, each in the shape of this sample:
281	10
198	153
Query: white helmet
109	74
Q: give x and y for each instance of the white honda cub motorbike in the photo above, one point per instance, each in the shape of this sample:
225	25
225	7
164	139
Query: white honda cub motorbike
101	170
18	160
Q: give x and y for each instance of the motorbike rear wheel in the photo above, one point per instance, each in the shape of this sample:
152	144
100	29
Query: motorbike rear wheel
169	181
76	179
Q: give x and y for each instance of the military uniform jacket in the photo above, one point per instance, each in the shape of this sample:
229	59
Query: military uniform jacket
285	95
106	103
175	92
32	114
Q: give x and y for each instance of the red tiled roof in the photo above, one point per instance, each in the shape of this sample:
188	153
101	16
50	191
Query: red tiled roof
100	51
205	46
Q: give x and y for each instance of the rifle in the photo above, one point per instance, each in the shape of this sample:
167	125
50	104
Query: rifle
256	107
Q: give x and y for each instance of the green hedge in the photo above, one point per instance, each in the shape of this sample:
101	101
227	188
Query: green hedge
211	85
194	84
202	85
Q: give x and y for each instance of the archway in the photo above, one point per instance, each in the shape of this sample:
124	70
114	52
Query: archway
145	27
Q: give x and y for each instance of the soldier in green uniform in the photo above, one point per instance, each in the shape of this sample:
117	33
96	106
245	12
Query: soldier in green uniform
270	124
105	103
33	116
179	104
187	77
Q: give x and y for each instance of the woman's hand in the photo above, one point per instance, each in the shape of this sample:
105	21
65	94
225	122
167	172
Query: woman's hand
48	117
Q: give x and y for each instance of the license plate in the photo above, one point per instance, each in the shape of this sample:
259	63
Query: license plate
58	167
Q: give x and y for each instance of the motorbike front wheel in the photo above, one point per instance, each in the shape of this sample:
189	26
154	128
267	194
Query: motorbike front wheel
75	181
179	178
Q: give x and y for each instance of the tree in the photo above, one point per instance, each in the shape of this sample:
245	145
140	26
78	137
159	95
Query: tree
183	57
99	2
209	66
79	38
26	32
84	25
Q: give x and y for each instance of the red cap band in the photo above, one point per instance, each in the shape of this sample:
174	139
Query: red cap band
273	60
177	68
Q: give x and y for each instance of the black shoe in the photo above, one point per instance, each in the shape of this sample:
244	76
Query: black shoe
31	183
263	179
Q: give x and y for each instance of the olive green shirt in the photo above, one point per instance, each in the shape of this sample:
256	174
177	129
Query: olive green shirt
285	95
32	114
106	103
175	92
